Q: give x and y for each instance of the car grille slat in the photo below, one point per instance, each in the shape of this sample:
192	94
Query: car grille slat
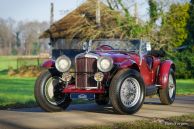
85	69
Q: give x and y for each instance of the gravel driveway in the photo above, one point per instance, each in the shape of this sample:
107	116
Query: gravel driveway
90	114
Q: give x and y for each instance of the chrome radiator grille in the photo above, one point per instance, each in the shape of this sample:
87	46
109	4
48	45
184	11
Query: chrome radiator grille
85	69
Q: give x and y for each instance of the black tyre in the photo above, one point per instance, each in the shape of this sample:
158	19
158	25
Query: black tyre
167	95
48	92
127	91
101	99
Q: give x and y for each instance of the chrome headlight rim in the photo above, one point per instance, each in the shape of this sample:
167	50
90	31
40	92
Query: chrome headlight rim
105	58
57	63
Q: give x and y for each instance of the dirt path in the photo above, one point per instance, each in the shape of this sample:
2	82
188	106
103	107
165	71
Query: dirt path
90	114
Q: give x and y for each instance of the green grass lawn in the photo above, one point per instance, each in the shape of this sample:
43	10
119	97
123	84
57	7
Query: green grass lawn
185	87
16	91
8	62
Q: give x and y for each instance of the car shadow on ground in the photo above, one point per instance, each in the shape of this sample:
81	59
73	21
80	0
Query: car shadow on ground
92	107
107	109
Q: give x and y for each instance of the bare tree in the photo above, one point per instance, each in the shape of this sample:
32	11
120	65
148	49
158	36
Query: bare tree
29	35
21	37
7	37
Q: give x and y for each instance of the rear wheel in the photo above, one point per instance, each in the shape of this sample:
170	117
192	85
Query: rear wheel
127	91
48	92
167	95
101	99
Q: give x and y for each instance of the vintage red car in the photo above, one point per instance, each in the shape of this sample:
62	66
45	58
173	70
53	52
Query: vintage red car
116	71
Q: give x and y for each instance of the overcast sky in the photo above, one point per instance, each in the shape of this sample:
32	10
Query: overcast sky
40	9
34	9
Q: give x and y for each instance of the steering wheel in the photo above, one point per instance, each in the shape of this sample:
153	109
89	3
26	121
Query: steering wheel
105	47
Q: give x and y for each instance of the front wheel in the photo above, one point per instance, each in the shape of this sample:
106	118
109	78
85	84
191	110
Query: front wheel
167	95
127	91
48	92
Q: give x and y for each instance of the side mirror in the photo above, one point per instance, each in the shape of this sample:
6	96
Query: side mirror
148	46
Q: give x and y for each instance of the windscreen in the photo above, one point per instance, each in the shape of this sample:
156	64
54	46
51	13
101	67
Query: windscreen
117	45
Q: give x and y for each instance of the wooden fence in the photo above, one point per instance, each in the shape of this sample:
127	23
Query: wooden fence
30	60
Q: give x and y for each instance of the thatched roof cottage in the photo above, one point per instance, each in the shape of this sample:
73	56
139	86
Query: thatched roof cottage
80	25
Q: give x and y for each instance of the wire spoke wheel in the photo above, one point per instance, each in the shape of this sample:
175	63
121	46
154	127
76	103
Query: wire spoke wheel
127	91
130	92
48	92
171	86
53	92
167	95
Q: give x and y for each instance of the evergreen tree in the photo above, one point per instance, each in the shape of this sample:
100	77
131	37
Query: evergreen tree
176	23
153	11
185	60
190	25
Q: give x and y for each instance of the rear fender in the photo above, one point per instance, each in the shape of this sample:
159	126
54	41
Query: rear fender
48	64
165	67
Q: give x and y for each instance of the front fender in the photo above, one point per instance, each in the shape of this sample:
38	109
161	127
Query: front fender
48	64
126	64
165	67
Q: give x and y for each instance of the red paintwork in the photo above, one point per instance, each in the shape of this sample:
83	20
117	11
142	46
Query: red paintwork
117	57
72	89
126	64
128	60
146	73
48	64
164	72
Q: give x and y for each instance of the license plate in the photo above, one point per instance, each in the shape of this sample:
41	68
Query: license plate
82	96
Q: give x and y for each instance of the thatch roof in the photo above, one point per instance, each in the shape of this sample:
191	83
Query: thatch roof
81	23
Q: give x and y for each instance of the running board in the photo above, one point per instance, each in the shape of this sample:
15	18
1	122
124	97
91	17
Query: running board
151	90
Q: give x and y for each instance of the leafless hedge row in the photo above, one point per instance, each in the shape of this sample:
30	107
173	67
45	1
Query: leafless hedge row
22	38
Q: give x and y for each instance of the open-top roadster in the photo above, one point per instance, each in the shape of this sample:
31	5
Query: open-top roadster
122	72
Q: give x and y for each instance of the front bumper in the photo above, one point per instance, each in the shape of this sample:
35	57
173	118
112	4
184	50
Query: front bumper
72	89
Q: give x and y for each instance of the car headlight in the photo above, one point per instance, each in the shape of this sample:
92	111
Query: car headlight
105	64
63	63
98	76
66	77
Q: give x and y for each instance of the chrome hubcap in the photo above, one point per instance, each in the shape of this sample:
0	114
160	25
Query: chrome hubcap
171	86
52	95
130	92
